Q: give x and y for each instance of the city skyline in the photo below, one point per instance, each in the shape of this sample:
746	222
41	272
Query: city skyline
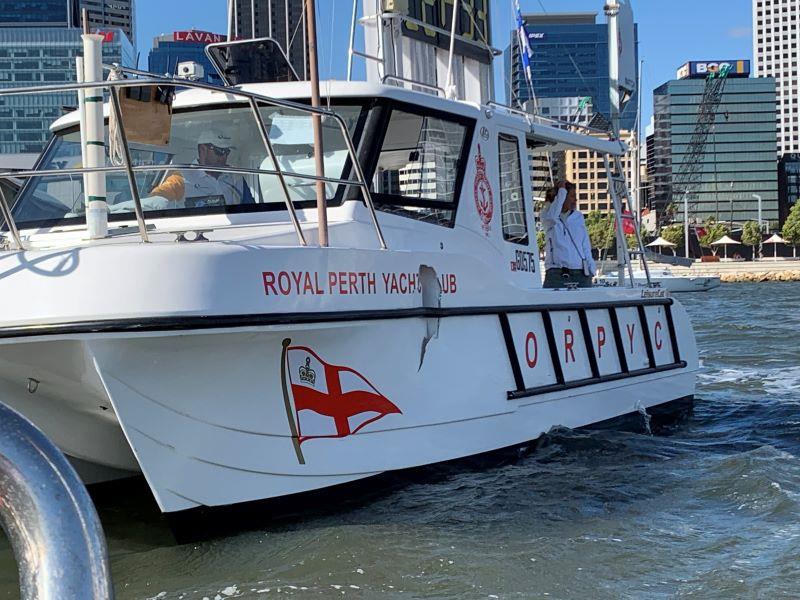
667	39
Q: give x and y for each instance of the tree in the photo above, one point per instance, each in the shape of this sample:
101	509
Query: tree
673	234
601	231
713	232
540	240
791	228
632	241
751	236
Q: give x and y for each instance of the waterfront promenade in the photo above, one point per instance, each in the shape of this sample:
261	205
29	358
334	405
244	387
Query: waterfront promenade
766	269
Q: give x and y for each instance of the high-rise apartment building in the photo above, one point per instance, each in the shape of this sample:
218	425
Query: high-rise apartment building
282	20
587	171
112	14
569	67
775	40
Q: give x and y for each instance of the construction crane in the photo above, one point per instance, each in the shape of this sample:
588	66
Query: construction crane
689	175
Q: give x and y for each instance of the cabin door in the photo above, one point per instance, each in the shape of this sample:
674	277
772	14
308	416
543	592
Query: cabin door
516	209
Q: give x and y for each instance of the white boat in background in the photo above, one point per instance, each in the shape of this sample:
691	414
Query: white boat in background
220	350
664	278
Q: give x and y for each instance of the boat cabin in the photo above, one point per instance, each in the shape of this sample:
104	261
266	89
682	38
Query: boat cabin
443	174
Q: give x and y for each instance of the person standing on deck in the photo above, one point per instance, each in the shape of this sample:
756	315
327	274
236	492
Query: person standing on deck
568	250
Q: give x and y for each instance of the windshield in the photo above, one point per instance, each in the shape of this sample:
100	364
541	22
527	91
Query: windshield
210	143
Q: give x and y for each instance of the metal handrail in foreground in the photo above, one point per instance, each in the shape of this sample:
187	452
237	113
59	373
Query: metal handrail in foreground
252	98
49	518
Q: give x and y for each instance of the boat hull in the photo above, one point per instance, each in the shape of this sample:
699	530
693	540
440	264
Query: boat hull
218	416
675	284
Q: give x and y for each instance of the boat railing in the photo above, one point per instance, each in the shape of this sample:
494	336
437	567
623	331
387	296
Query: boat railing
534	118
254	101
49	518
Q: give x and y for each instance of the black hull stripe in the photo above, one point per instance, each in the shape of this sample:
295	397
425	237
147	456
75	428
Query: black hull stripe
571	385
200	322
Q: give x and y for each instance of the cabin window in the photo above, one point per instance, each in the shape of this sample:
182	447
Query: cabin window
420	166
222	177
512	196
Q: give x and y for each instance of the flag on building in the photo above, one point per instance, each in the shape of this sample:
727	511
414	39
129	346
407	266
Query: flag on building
331	401
628	226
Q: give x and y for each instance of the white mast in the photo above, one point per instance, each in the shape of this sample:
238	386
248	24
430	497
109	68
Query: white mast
612	11
94	149
452	93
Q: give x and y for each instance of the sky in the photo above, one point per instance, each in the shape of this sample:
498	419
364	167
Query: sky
670	33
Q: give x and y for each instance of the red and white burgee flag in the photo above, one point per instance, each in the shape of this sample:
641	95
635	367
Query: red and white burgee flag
331	401
628	226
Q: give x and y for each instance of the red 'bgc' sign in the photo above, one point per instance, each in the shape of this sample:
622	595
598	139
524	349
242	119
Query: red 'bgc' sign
199	36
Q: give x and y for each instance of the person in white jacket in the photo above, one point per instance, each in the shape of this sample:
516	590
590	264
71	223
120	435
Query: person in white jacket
568	252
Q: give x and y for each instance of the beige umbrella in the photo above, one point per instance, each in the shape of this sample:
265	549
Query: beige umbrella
726	241
775	240
660	242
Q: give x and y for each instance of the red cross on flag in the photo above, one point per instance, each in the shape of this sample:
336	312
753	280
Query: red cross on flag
330	401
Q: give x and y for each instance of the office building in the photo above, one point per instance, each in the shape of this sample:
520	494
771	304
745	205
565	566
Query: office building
587	171
788	183
281	20
569	66
738	158
650	166
40	56
40	13
103	14
39	41
112	14
183	46
775	39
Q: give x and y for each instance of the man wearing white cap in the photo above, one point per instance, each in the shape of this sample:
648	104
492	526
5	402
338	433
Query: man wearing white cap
198	188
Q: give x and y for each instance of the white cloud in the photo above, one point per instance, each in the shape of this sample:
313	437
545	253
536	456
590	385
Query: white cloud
739	32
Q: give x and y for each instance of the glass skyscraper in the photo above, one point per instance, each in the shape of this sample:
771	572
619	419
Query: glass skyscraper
570	61
739	155
39	13
282	20
31	56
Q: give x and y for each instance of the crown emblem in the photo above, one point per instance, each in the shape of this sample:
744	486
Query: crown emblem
484	198
307	374
480	162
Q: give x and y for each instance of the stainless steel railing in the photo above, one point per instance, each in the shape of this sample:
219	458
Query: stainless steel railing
254	101
49	518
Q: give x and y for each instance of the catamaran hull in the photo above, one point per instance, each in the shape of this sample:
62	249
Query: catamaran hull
220	416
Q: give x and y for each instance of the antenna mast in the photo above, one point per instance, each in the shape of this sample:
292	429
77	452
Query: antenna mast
316	120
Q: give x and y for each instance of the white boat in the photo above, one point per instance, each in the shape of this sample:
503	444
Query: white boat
223	354
664	278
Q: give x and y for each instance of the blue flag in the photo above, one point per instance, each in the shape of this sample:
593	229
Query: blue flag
525	52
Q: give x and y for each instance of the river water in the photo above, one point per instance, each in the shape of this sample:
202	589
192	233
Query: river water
708	508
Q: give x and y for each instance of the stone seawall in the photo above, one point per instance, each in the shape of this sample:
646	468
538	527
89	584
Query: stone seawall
743	272
758	277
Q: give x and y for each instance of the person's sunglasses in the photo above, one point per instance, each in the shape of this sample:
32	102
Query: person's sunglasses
219	151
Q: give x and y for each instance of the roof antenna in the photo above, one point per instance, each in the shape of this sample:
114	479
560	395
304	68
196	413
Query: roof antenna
452	92
316	121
